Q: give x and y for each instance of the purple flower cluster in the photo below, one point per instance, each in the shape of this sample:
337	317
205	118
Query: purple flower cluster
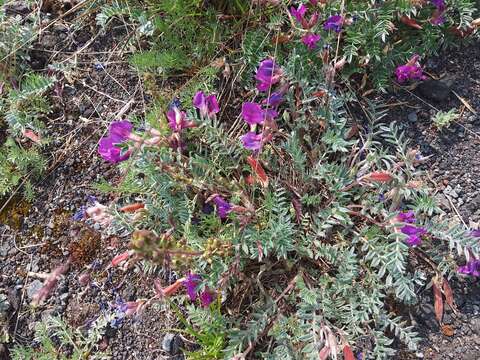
311	40
268	74
438	18
334	22
410	71
207	105
177	120
299	14
191	283
471	268
414	233
223	207
253	113
439	4
119	132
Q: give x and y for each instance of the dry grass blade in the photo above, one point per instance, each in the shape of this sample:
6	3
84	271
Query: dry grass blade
465	102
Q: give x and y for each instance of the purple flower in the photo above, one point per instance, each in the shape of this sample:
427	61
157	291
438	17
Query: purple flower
299	12
406	217
252	140
79	214
223	207
191	283
414	234
120	130
253	113
470	268
109	151
268	73
206	298
177	120
475	233
310	40
207	105
334	23
410	71
274	100
439	4
437	18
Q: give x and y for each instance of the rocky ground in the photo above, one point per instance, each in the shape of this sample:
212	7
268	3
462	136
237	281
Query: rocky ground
96	87
453	168
100	87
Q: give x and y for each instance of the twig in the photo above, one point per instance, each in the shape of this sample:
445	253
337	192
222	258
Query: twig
455	209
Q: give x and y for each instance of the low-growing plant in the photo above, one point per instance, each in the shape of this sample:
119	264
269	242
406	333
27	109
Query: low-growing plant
56	340
311	224
445	118
17	164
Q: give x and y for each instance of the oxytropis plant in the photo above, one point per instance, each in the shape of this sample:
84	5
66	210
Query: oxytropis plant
301	223
298	221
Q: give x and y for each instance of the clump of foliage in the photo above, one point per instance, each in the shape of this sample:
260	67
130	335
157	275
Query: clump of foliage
26	103
306	218
56	340
182	34
17	162
445	118
374	37
23	104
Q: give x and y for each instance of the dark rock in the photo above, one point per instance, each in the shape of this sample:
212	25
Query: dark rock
33	288
412	117
426	314
172	343
435	90
475	325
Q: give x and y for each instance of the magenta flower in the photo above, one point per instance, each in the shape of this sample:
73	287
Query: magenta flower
299	12
252	141
274	100
410	71
310	40
206	298
439	4
414	234
475	233
471	268
334	23
177	120
191	283
437	18
406	217
120	130
109	150
268	74
223	207
207	105
253	113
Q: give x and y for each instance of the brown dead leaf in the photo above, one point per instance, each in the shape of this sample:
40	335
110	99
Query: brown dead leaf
438	302
447	330
447	291
281	39
324	353
258	170
347	353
